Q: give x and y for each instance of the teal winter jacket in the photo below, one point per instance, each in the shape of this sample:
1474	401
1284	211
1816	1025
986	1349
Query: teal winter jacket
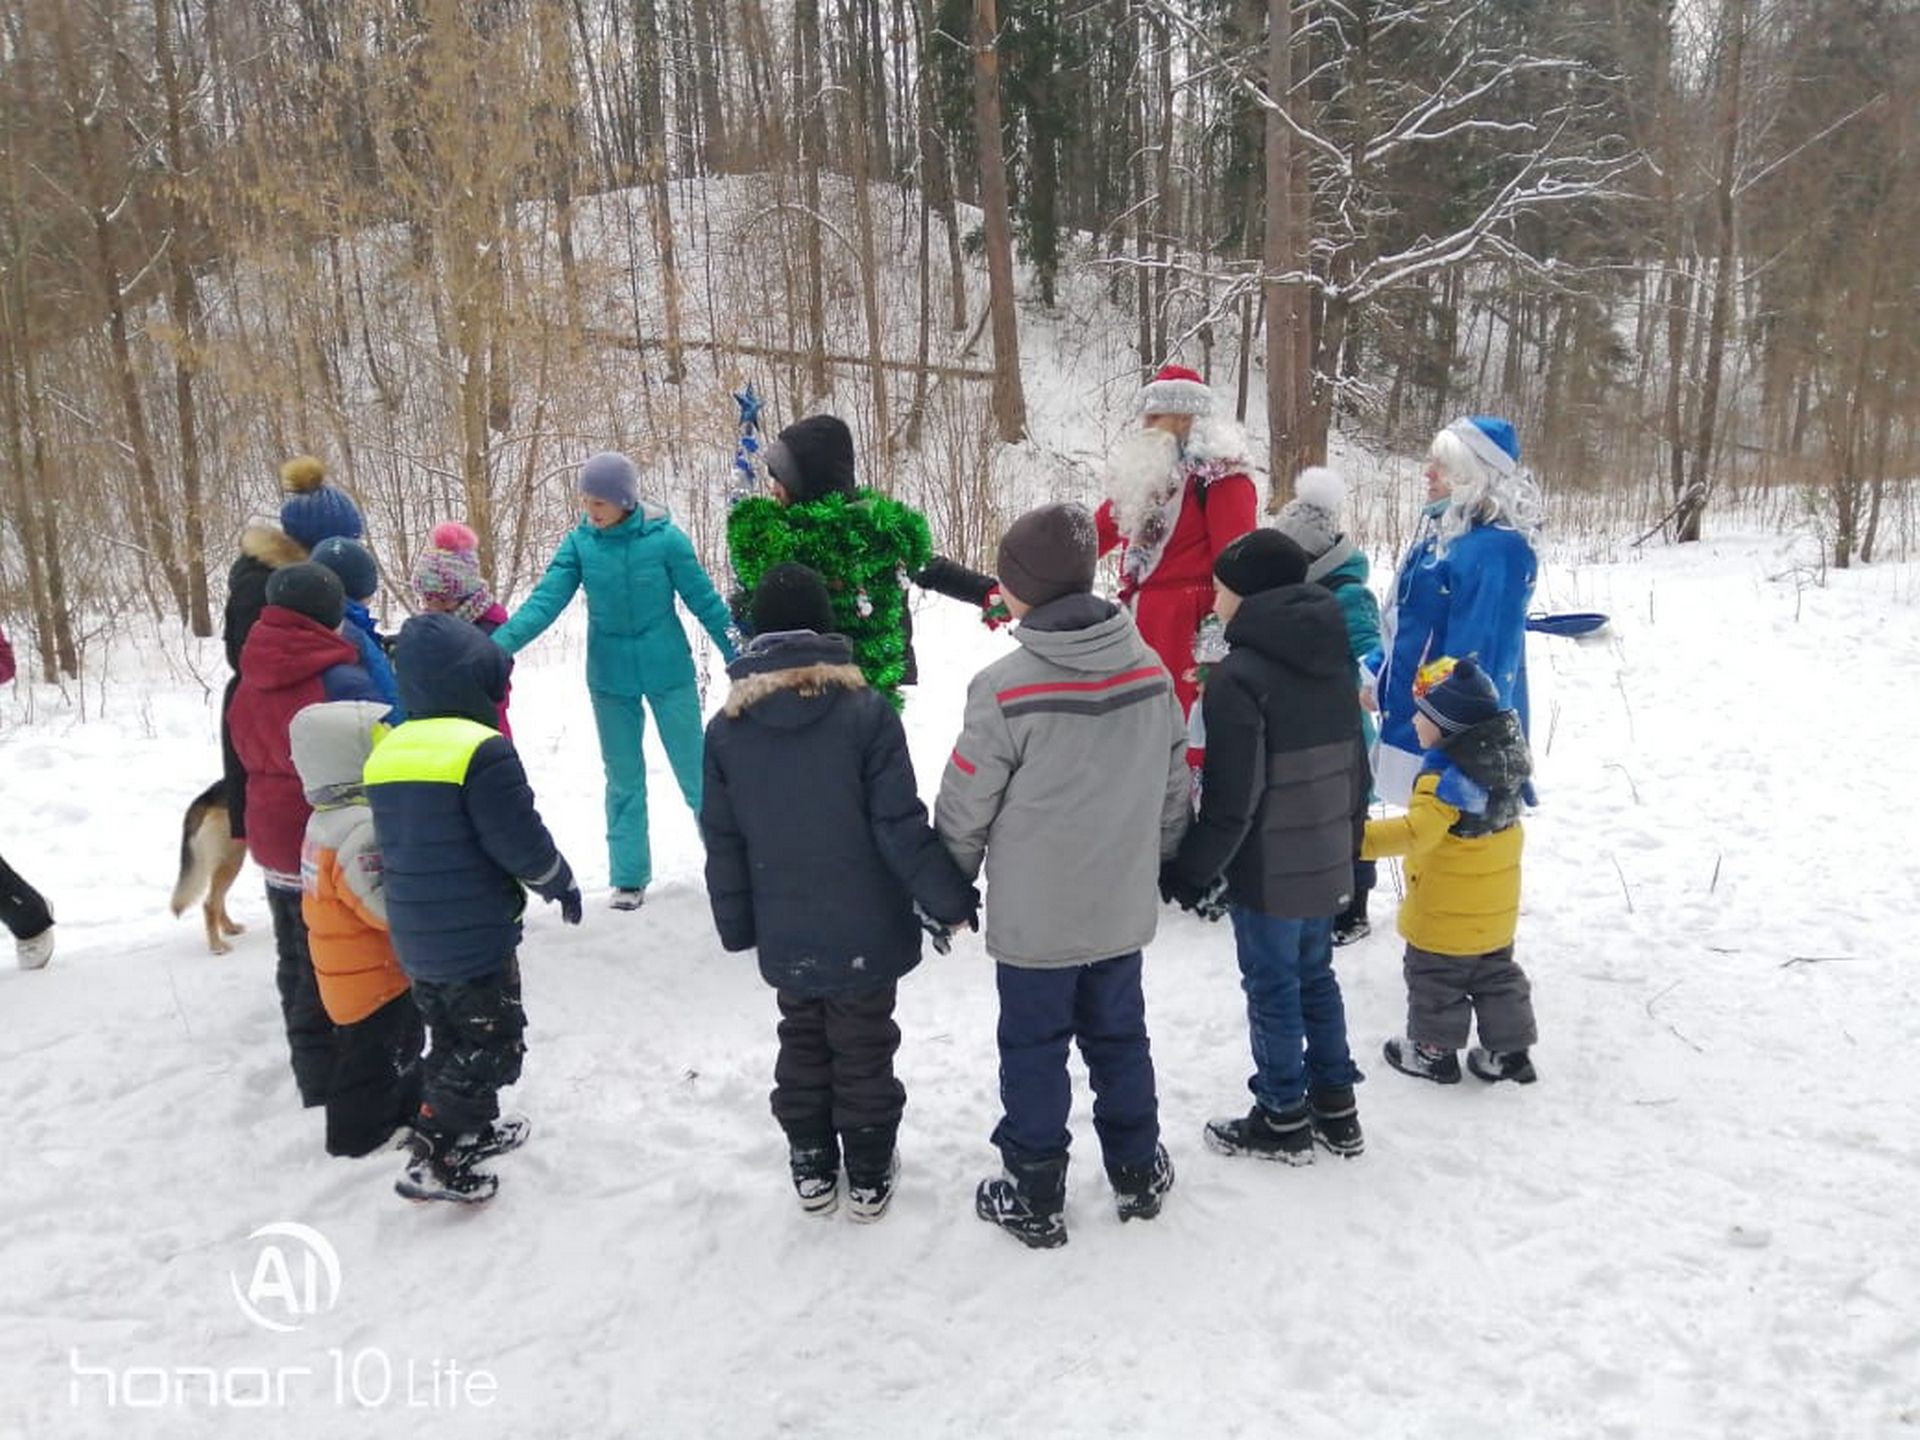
636	644
1343	570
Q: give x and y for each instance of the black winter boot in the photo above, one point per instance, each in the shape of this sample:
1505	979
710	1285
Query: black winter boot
1284	1135
1423	1062
1336	1120
1028	1201
1495	1065
1137	1188
814	1161
438	1170
872	1164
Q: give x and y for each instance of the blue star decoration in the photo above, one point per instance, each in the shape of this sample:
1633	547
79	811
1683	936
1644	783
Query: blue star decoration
749	404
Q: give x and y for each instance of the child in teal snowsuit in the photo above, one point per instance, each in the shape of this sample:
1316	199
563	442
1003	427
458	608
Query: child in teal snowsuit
633	560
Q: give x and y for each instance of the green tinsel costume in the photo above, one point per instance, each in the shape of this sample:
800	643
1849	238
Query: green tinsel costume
865	545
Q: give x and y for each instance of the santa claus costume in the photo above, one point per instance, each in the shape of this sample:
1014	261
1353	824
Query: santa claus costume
1172	507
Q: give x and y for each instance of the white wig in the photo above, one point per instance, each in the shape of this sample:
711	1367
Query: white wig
1483	492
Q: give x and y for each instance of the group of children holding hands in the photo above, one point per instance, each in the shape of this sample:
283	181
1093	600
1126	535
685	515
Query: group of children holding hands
399	834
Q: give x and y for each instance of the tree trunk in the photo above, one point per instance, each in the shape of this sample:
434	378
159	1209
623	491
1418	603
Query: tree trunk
1733	60
1283	391
183	298
813	140
1009	399
870	273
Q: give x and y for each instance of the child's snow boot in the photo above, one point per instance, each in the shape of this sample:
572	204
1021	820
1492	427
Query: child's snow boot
436	1171
1336	1121
1496	1065
1028	1201
36	950
1350	928
1137	1188
509	1132
629	897
1283	1135
872	1166
1423	1062
814	1162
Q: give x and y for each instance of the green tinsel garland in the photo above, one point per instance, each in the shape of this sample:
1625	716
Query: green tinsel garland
863	544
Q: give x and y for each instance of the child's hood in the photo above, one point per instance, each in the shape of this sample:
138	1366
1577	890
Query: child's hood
791	678
331	743
1299	626
445	666
1083	632
285	649
1485	768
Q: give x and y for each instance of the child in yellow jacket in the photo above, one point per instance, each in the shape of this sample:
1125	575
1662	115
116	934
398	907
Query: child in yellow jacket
1461	837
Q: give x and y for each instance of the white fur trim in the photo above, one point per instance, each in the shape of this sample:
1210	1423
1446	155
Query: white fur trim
1483	448
1214	438
1318	485
1174	397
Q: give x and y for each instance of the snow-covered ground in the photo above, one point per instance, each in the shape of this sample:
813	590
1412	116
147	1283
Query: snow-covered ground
1700	1222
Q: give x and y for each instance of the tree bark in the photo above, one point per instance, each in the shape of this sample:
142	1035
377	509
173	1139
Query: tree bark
1276	259
1009	399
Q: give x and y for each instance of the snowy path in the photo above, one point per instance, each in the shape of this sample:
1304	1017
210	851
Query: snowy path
1699	1223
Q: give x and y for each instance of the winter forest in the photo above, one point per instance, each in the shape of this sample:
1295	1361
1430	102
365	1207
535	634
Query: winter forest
1517	401
452	247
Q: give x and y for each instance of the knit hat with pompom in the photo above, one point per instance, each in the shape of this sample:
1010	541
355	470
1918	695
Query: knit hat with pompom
314	510
448	570
1312	518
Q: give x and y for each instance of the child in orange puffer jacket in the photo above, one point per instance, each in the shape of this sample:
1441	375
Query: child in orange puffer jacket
376	1082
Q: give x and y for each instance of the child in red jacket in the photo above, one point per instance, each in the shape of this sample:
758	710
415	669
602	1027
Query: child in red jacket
294	656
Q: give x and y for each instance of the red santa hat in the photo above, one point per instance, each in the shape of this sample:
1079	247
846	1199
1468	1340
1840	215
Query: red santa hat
1176	390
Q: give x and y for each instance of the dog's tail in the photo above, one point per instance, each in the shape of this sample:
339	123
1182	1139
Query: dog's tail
198	857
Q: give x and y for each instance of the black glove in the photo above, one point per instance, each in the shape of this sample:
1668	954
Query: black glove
570	906
1208	901
938	931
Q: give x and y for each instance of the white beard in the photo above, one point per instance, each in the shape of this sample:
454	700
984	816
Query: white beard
1141	476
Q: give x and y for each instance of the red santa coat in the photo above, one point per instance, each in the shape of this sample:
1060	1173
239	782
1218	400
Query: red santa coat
1170	604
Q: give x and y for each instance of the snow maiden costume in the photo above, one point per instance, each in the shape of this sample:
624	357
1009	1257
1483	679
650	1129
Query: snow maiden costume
1171	509
1463	589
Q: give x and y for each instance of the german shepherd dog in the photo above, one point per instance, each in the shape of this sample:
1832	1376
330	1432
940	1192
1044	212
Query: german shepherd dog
210	861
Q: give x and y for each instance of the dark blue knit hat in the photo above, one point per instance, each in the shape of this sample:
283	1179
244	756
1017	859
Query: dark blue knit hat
1455	694
352	562
310	590
314	510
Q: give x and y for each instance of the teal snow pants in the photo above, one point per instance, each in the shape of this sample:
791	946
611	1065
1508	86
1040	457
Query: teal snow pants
623	726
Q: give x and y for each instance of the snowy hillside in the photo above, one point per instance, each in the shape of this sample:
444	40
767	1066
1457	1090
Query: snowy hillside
1698	1223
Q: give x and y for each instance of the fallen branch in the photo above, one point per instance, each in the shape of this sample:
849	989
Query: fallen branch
1819	960
1668	1023
1625	889
642	343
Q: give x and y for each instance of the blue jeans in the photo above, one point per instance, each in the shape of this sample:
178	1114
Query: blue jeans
1295	1016
1042	1012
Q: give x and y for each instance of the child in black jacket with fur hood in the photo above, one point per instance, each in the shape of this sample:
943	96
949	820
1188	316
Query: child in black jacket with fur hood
820	855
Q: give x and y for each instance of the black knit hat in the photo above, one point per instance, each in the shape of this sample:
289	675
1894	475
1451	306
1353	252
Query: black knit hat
1455	694
1049	553
813	458
1261	560
311	590
791	597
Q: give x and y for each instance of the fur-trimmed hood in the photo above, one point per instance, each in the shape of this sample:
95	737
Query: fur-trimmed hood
271	546
807	681
789	678
1217	440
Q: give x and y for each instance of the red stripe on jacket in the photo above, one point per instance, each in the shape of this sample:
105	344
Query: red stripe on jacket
967	767
1079	687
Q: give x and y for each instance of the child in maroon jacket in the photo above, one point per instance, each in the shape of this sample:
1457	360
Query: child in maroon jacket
294	656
